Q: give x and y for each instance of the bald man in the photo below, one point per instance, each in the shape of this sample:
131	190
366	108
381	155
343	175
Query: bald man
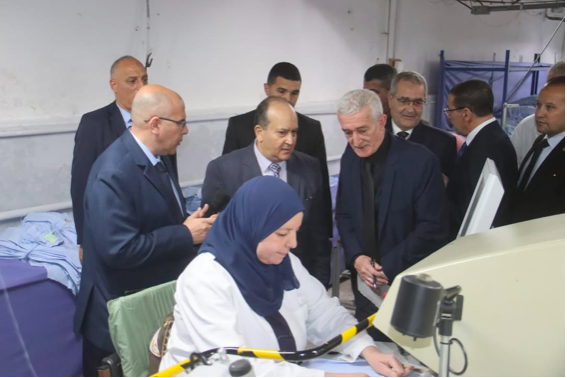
100	128
136	231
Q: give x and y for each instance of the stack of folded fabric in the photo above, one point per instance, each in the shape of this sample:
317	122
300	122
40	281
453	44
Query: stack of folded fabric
48	240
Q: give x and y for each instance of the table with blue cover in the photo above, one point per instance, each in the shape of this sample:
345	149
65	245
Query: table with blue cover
36	324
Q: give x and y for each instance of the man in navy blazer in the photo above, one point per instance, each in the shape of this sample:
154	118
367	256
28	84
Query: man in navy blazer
407	99
541	184
391	203
284	80
470	111
100	128
136	230
272	153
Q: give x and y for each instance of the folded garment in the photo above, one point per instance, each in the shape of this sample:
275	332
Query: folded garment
48	240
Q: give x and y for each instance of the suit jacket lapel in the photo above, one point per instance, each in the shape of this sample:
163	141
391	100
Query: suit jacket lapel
416	135
293	175
250	167
389	125
167	162
557	153
116	122
388	183
529	154
151	173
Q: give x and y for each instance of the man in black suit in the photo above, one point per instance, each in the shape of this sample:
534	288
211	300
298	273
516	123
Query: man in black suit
470	111
284	80
272	153
136	230
541	185
100	128
407	99
378	79
391	202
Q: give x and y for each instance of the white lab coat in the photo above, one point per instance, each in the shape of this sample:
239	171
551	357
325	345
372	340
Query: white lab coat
211	312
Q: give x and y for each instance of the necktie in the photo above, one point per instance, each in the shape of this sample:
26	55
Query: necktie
536	151
462	150
403	134
166	180
276	168
129	124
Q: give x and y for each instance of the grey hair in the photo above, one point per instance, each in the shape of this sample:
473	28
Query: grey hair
354	101
411	76
558	69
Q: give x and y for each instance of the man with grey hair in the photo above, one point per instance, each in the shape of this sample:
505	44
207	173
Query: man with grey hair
136	230
100	128
400	217
526	133
407	100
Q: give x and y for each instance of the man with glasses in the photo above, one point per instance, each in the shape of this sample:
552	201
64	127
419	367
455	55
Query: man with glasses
136	230
407	99
470	112
100	128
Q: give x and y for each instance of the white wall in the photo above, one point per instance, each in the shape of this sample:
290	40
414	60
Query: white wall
56	56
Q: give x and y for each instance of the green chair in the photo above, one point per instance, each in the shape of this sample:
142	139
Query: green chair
133	320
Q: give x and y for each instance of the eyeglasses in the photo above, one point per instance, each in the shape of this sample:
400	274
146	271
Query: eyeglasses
447	110
418	102
182	123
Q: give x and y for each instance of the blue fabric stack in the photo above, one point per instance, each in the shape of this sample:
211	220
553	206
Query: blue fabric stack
48	240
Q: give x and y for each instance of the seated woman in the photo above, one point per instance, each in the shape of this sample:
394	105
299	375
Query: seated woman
244	289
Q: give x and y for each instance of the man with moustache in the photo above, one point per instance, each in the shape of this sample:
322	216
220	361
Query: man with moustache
391	203
136	230
273	153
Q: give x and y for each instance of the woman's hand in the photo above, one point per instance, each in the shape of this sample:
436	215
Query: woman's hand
385	364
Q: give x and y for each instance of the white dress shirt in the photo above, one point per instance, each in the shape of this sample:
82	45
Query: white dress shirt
264	164
210	312
477	129
126	116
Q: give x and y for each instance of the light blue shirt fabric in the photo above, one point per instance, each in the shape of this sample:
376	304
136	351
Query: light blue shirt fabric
154	160
553	142
48	240
126	116
264	163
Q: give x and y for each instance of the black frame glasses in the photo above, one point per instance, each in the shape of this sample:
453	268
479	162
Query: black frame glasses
418	102
182	123
447	110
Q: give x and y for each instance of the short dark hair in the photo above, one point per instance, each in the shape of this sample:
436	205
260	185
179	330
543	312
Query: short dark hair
475	95
383	72
261	114
284	69
555	82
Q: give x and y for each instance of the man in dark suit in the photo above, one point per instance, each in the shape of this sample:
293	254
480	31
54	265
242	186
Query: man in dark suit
136	231
100	128
541	185
391	202
284	80
378	79
407	99
272	153
470	111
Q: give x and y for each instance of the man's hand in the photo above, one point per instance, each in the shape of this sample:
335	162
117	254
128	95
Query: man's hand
199	226
445	180
386	364
363	265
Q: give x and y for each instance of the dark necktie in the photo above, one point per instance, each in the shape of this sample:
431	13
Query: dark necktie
403	134
276	168
536	151
370	244
166	180
462	150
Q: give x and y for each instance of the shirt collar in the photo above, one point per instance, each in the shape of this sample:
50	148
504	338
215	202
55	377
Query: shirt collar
396	129
554	140
477	129
263	161
153	159
125	115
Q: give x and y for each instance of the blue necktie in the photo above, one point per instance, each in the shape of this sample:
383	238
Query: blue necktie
462	150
